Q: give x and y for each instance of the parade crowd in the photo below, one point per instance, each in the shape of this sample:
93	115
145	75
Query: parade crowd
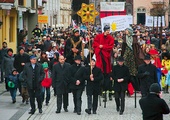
75	60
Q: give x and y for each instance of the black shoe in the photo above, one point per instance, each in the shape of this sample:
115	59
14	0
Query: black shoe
65	109
27	101
118	109
75	111
104	100
94	112
40	110
88	111
46	104
121	113
23	100
58	111
110	98
14	101
78	113
31	112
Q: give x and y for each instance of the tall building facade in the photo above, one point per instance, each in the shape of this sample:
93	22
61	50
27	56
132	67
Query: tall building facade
59	13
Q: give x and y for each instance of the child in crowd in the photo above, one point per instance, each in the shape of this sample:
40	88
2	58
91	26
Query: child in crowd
12	84
24	89
46	83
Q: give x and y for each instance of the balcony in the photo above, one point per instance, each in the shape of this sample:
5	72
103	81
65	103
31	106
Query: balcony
44	1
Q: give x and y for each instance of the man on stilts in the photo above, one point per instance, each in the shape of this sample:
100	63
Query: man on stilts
103	44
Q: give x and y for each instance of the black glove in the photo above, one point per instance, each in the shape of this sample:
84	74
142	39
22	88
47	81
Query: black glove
146	73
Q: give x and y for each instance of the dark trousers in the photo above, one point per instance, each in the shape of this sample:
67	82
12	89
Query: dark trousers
35	94
120	100
13	92
92	101
77	93
6	84
48	94
24	92
62	98
144	91
2	74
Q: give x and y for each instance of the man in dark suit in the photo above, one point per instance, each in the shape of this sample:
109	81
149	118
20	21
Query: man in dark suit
33	74
147	74
93	86
120	74
19	62
77	83
59	82
153	107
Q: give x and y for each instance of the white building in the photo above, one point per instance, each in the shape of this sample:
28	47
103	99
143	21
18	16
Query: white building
58	12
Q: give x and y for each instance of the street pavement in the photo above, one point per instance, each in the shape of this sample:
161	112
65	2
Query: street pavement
19	111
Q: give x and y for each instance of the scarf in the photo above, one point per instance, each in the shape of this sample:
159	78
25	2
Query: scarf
129	40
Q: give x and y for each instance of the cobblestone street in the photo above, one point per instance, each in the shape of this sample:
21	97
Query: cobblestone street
9	111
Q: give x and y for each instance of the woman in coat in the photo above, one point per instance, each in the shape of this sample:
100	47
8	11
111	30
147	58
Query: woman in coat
7	63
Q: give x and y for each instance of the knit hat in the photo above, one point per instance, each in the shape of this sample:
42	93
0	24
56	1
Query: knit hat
154	88
14	70
45	65
9	50
147	57
120	59
106	27
75	30
78	57
20	48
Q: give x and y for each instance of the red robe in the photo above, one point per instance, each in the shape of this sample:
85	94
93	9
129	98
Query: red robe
108	43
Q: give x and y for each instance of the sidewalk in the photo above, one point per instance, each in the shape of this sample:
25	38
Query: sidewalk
108	113
2	88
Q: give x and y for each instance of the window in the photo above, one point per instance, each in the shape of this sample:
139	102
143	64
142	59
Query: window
141	10
32	4
11	29
21	2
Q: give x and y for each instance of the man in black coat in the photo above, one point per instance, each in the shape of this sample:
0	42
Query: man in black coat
153	107
3	52
73	46
77	83
33	74
19	62
59	82
120	74
93	86
147	74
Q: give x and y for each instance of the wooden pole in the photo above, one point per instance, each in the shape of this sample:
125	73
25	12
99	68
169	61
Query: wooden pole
88	26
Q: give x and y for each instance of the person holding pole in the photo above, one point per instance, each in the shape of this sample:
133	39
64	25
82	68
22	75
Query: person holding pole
103	44
73	47
93	86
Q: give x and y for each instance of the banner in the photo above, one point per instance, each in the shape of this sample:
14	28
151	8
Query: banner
116	23
150	19
42	19
112	6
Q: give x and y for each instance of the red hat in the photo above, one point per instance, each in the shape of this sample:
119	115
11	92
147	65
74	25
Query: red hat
153	52
46	82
